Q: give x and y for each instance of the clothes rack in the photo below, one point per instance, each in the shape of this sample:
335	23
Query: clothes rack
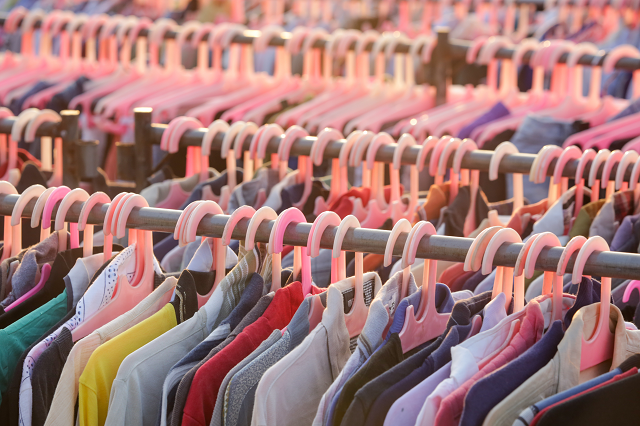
610	264
76	154
148	134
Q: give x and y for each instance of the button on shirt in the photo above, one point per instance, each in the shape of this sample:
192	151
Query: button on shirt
563	372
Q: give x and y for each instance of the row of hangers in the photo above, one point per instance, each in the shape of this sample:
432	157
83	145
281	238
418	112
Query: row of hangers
419	327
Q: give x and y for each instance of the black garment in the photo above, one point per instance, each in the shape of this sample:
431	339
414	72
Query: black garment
31	175
16	104
613	404
185	301
454	216
61	266
45	377
388	356
185	383
60	101
619	143
495	190
293	194
364	399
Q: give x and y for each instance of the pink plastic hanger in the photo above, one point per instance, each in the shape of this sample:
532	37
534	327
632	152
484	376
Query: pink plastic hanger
249	129
8	147
170	142
425	149
317	157
440	160
219	250
427	323
601	136
305	167
378	208
72	196
500	151
486	132
178	233
338	265
243	212
599	347
468	177
57	195
126	295
600	158
629	158
6	188
568	154
269	131
15	241
475	254
552	281
508	283
89	204
36	214
301	260
357	316
606	178
398	209
539	168
226	151
262	214
402	226
47	116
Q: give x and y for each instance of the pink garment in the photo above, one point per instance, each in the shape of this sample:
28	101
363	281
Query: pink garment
530	332
44	276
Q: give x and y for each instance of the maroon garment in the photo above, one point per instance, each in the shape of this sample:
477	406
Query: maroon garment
206	383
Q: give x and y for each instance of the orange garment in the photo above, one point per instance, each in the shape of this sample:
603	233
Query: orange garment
538	208
451	273
437	198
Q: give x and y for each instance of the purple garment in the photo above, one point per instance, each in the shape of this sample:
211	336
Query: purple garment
627	236
444	304
474	281
487	392
633	108
496	112
588	293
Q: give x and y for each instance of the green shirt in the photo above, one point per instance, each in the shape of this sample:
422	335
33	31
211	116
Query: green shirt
17	337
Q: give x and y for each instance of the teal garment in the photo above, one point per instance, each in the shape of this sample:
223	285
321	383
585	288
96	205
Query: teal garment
17	337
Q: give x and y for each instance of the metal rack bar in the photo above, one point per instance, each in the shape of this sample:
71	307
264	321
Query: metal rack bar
68	130
617	265
475	160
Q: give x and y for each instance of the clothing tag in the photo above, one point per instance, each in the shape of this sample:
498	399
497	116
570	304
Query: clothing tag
348	295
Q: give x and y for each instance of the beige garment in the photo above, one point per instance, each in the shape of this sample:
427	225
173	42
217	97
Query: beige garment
62	408
290	391
563	371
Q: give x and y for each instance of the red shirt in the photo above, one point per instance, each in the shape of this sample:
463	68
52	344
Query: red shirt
206	383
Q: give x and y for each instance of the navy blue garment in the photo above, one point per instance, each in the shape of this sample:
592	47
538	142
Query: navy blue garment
60	101
359	411
430	364
487	392
498	111
474	281
632	108
293	194
16	104
588	293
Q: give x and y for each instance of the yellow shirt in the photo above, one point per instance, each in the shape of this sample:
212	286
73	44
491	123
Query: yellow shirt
102	368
